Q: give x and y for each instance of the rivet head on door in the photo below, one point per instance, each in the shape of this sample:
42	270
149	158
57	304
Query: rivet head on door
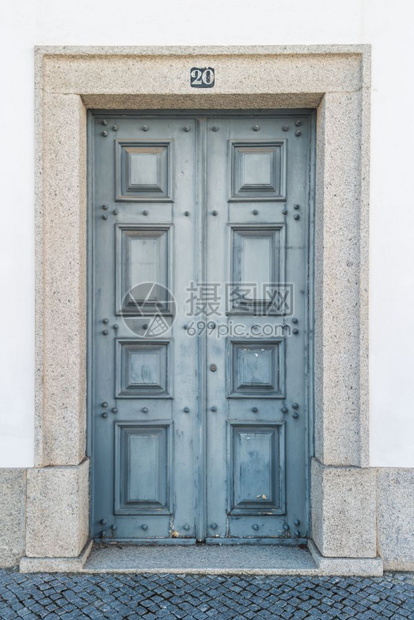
213	367
256	127
186	410
298	123
145	128
296	522
104	134
115	128
285	211
186	527
144	410
215	128
255	212
144	526
286	527
187	128
213	409
298	133
104	122
214	526
114	410
285	410
255	526
214	212
255	409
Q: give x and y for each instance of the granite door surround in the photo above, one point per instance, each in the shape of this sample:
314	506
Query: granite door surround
334	80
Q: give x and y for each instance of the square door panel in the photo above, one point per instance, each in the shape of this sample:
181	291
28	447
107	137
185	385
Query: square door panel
142	368
257	369
143	171
257	269
257	469
142	468
258	170
143	270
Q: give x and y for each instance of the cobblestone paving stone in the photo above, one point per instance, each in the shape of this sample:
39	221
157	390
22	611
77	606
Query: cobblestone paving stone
77	596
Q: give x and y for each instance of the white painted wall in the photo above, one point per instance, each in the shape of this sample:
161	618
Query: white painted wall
387	26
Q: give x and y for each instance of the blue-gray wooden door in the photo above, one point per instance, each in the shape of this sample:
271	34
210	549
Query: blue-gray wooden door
199	345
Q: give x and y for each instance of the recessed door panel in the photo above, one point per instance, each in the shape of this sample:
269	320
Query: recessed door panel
256	477
257	267
142	481
143	170
144	265
257	368
257	256
199	345
143	368
258	170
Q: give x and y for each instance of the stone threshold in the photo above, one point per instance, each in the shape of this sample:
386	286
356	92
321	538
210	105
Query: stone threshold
206	560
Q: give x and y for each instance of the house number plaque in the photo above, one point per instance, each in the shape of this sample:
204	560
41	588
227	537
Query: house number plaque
202	77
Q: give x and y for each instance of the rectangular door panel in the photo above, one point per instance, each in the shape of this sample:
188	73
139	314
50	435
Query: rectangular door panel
258	170
143	368
142	467
144	267
257	265
257	467
143	171
256	368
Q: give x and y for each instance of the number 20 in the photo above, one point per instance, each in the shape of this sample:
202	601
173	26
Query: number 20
202	77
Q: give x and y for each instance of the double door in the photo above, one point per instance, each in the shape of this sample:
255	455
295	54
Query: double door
199	326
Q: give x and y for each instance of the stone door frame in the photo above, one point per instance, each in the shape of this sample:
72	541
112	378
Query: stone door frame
334	80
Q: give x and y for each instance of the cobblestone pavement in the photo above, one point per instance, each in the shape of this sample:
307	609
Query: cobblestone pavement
116	596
